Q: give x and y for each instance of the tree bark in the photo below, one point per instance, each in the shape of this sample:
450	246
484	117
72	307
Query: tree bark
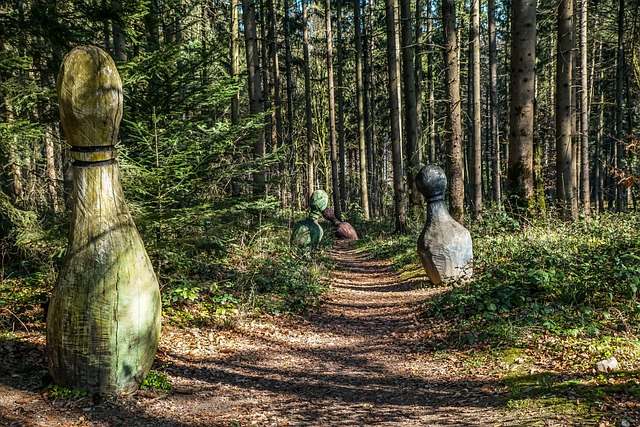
476	127
394	116
119	37
290	143
342	153
454	120
364	185
494	113
618	143
307	101
585	187
255	88
413	154
235	67
332	113
521	117
565	160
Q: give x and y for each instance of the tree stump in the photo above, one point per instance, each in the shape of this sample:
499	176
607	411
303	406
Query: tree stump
103	321
444	246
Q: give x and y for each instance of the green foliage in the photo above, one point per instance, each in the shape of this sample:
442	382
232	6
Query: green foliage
57	392
156	381
556	275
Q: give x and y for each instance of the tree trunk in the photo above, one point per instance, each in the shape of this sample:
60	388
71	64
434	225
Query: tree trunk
289	137
342	171
235	67
119	37
419	76
364	186
454	120
494	113
476	127
332	113
565	161
523	59
413	154
394	115
431	117
307	101
255	88
585	187
619	150
370	111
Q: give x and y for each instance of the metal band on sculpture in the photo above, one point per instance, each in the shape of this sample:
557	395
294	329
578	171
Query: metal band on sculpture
93	154
439	197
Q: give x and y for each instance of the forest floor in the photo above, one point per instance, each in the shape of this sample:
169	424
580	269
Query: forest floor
358	361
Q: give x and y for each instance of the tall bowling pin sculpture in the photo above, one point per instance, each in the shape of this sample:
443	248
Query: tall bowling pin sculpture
103	321
444	246
307	233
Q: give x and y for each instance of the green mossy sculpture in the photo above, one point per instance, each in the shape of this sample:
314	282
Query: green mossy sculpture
307	233
103	321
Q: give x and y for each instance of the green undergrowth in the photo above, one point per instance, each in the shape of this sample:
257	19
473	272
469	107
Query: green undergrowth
226	265
254	271
547	301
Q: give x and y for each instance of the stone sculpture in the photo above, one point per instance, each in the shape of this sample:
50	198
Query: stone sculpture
444	246
103	321
344	230
307	233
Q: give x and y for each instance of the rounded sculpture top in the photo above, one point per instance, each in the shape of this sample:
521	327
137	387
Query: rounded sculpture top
330	216
431	182
318	201
90	97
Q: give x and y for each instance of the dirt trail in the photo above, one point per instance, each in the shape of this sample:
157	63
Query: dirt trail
355	363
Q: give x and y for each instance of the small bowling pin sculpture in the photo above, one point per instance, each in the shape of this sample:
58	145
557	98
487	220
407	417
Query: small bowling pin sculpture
307	233
344	230
444	246
103	321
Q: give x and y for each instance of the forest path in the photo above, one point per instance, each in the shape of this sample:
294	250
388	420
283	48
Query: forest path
359	361
355	363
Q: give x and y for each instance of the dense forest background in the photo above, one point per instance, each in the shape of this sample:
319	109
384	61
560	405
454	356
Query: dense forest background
260	99
234	113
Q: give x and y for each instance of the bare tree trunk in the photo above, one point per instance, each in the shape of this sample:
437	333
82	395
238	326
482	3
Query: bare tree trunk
364	186
431	117
290	142
274	78
394	115
307	101
413	154
565	161
494	132
585	186
255	88
119	38
235	67
342	171
370	111
476	128
332	112
419	75
523	59
454	119
620	191
49	153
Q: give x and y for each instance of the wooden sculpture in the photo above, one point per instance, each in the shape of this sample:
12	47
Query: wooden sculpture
344	230
444	246
307	233
103	321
